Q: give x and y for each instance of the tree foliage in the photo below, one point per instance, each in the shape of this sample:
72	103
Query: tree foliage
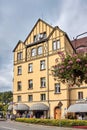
6	97
71	69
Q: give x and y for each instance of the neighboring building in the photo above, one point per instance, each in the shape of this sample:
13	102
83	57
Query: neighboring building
78	95
34	88
80	44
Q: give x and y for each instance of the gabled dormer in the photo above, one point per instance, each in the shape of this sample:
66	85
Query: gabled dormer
19	52
40	31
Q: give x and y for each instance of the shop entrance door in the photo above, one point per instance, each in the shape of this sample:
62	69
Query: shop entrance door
57	113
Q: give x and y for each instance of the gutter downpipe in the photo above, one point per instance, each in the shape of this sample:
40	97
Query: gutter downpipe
48	78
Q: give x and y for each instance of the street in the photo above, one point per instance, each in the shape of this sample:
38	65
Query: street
12	125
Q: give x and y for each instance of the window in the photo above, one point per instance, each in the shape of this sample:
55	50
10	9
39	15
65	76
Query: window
19	56
30	84
57	88
19	98
56	45
43	97
33	52
39	50
30	67
43	82
39	36
19	70
44	35
30	98
35	38
19	85
80	95
42	65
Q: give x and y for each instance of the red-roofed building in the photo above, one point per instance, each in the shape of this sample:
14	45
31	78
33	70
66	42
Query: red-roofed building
80	44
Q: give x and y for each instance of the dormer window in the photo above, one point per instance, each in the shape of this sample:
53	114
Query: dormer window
39	36
35	38
44	35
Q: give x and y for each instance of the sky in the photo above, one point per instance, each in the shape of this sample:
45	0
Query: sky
17	18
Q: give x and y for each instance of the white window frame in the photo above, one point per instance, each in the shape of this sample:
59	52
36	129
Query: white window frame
57	87
43	82
30	84
42	65
33	52
30	67
19	70
40	51
39	36
56	45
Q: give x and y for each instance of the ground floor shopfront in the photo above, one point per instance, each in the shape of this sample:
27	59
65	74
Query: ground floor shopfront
53	110
78	110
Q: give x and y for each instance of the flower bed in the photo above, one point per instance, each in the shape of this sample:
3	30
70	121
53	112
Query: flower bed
82	127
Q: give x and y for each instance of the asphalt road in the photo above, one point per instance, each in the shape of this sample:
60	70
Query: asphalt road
12	125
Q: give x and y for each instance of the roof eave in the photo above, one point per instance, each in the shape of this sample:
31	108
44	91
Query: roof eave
17	45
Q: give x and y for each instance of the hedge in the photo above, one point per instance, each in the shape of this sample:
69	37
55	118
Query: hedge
53	122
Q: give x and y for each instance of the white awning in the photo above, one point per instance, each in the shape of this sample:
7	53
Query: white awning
39	106
79	107
21	107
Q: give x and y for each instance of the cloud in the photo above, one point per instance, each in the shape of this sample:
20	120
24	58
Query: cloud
73	17
6	77
17	18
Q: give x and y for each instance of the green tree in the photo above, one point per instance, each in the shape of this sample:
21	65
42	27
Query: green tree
1	107
6	97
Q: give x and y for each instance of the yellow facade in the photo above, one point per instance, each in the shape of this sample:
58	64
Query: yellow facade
39	50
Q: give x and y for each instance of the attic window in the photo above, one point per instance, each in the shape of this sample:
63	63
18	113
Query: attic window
56	45
39	36
19	56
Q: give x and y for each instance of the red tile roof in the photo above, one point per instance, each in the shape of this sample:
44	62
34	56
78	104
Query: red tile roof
80	44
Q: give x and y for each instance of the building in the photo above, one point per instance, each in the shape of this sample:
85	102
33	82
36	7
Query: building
34	88
78	97
80	44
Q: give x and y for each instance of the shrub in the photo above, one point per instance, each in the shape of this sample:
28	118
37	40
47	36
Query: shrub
53	122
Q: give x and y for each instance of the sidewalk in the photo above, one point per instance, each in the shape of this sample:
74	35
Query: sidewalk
46	126
2	119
